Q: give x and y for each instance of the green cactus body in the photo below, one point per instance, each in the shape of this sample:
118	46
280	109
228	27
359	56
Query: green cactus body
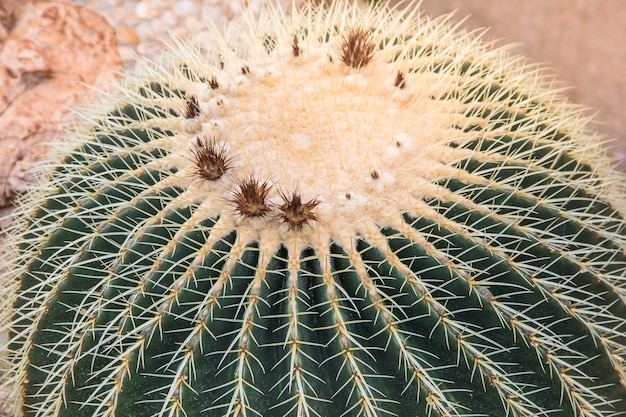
338	212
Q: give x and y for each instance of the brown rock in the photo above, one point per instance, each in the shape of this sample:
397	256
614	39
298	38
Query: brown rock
49	50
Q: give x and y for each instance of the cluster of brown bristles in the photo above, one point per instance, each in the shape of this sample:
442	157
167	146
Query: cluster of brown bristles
211	162
356	48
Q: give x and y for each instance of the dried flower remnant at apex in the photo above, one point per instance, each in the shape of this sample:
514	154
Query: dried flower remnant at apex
356	48
400	80
296	213
192	107
211	159
249	199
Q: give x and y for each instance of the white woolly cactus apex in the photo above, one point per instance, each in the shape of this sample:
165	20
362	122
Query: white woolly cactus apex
336	212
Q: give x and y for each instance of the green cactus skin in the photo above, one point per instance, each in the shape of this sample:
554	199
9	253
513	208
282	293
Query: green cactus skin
338	212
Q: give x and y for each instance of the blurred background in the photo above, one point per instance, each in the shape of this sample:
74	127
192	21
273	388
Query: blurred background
582	42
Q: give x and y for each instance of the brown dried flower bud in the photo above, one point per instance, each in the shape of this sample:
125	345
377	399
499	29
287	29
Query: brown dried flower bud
211	159
250	198
296	213
356	49
192	108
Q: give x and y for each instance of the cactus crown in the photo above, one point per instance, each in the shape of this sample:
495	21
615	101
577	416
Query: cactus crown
337	212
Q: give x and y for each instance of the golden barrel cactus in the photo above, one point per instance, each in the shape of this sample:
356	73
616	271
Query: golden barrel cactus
341	211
